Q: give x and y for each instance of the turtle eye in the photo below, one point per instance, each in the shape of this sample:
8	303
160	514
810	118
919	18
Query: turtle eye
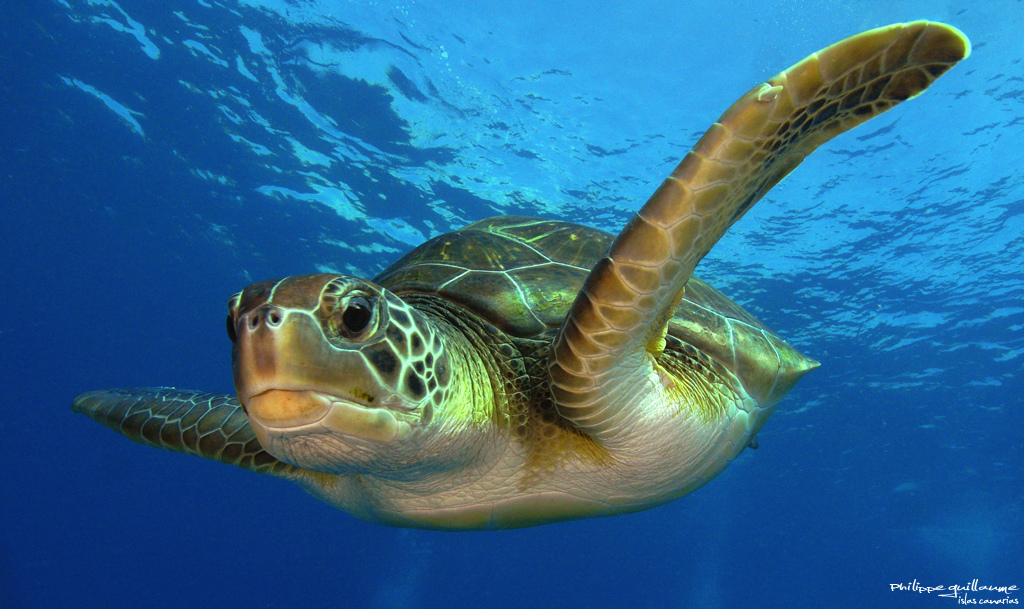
231	329
233	303
356	316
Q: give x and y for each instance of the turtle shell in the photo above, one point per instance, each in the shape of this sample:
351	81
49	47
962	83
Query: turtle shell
523	274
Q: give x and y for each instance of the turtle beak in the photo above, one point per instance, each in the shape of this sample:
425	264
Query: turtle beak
318	363
276	354
289	376
294	384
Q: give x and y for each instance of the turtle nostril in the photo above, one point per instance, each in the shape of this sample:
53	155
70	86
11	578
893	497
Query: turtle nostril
267	315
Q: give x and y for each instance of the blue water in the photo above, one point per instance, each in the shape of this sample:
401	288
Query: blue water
156	158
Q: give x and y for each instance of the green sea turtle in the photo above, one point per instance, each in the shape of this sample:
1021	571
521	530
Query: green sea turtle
522	371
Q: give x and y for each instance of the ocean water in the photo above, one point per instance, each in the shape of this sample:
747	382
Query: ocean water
155	158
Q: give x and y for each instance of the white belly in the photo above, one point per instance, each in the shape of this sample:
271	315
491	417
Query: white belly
663	458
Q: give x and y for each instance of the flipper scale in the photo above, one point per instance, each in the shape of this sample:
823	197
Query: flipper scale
619	317
202	424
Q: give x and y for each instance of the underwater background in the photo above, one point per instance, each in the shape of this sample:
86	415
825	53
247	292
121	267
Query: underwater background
156	157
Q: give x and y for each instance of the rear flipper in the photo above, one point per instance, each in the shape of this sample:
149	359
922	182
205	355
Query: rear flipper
204	424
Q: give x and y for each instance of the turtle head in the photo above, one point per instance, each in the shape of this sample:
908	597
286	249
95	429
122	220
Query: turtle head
335	372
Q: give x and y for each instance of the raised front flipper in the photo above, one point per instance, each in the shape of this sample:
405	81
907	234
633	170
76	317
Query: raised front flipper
617	324
203	424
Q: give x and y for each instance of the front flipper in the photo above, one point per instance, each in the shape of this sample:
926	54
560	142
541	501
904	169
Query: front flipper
617	323
203	424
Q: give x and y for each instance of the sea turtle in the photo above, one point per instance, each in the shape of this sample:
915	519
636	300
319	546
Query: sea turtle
522	371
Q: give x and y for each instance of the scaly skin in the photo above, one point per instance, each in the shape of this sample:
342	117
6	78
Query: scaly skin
619	317
415	409
495	456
